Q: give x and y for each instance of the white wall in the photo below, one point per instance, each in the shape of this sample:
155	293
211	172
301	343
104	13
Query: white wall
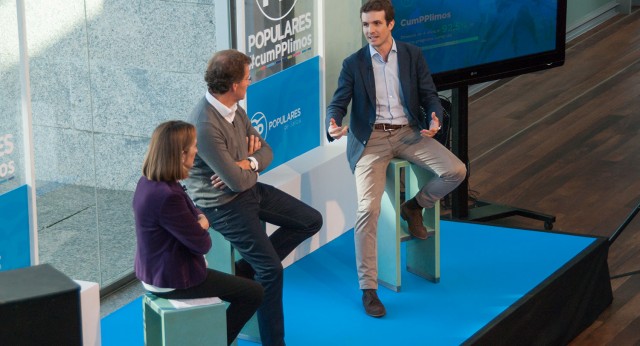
321	178
343	36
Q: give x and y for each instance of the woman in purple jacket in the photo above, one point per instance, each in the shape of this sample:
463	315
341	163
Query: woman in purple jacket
172	234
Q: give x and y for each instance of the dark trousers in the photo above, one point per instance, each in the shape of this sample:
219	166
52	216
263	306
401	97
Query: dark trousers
240	222
244	297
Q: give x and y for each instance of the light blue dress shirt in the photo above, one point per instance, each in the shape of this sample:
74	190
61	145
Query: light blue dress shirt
389	99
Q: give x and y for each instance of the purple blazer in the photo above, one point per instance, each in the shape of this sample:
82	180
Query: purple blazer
170	242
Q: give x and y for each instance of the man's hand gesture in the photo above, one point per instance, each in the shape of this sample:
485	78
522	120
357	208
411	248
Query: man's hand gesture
433	128
335	131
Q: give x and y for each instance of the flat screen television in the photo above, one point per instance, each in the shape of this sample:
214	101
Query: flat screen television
470	42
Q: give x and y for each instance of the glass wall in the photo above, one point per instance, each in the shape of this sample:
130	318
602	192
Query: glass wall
11	149
14	206
104	73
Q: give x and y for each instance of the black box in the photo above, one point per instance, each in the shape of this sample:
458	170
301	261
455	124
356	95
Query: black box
39	306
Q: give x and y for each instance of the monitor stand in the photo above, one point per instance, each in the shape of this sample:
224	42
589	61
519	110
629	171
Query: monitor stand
483	210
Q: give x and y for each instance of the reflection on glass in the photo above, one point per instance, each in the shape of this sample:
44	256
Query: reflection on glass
103	75
11	152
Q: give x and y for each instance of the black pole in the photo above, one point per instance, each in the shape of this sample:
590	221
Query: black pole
624	225
459	146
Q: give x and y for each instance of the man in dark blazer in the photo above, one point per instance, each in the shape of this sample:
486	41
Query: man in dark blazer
390	89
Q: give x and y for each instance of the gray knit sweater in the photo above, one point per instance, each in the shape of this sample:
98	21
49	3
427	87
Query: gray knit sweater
220	145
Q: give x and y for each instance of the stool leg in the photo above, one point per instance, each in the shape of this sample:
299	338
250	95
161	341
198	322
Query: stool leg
222	257
152	324
423	256
389	235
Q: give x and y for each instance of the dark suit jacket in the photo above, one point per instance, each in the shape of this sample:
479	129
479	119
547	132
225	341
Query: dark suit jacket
170	244
356	84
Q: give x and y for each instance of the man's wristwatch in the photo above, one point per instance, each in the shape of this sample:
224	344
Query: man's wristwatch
252	165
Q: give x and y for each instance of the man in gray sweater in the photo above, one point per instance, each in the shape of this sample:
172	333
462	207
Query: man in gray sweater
224	184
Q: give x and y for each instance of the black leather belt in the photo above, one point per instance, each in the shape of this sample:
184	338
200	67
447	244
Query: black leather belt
387	127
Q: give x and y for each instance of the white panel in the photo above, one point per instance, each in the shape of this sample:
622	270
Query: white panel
90	306
321	178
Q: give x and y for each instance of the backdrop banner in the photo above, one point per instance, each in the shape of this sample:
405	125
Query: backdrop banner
279	34
285	109
14	229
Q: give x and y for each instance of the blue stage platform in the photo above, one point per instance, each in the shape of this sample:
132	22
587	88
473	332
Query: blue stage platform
497	285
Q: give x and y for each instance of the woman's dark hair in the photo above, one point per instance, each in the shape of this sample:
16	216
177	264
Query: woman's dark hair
170	140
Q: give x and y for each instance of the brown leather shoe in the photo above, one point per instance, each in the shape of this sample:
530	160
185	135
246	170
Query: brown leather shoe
411	212
372	304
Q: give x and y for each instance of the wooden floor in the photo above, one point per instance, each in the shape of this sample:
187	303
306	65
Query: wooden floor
566	142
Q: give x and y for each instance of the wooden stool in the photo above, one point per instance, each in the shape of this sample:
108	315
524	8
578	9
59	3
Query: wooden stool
167	325
423	256
222	257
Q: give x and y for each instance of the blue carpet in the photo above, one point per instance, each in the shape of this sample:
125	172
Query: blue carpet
484	270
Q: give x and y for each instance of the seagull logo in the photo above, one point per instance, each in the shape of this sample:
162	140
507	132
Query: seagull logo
276	9
259	122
